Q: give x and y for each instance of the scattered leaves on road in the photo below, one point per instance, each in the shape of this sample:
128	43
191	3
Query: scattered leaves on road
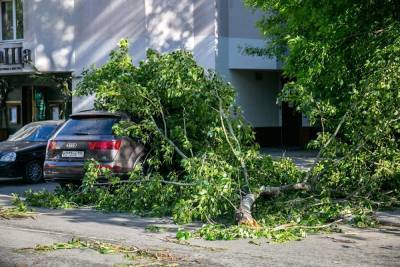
155	229
132	253
19	211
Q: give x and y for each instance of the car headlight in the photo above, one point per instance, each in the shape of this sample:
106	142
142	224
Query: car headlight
8	157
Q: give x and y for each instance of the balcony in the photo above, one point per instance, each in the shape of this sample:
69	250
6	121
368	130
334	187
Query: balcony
13	56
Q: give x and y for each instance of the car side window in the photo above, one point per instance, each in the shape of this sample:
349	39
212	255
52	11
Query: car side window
44	133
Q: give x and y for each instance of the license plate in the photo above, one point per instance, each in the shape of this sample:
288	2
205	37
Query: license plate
72	154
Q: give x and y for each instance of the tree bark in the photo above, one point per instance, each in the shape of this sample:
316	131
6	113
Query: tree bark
243	213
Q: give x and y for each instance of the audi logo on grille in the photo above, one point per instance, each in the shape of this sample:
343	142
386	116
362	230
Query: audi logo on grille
71	145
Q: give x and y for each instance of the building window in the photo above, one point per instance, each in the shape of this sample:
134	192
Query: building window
12	27
55	112
14	114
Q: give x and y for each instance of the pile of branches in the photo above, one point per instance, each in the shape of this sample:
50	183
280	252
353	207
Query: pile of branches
203	162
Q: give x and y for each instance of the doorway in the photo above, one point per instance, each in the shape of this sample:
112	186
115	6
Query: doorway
26	105
291	125
34	104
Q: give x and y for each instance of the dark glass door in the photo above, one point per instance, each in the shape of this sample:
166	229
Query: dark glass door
40	104
27	104
291	126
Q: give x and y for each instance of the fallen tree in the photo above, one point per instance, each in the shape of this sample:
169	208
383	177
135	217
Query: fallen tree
203	162
199	143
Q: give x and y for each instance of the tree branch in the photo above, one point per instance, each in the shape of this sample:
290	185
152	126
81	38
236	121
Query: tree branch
236	153
176	148
317	158
185	131
276	190
142	181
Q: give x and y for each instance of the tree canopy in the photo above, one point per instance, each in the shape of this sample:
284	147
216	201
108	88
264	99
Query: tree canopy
343	61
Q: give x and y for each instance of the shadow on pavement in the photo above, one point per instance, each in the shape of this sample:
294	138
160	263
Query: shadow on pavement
86	215
19	187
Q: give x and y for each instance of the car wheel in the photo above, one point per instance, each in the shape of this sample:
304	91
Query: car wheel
33	172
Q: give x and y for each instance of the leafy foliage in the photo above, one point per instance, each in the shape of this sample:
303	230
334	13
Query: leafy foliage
202	157
19	211
343	61
198	143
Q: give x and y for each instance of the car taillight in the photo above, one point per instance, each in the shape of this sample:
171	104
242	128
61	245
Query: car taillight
51	145
105	145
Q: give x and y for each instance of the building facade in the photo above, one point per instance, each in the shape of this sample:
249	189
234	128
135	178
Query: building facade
48	41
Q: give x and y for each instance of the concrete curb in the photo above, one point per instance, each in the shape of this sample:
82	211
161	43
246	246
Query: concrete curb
390	218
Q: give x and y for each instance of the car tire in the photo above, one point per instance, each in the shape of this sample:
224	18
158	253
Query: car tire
33	172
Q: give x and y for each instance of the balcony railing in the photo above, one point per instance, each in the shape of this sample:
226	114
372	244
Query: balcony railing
13	56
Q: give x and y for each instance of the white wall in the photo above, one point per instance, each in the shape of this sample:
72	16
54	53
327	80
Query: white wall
257	98
71	35
236	29
49	31
231	55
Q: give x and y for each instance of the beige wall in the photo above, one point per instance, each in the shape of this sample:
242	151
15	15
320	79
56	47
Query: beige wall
71	35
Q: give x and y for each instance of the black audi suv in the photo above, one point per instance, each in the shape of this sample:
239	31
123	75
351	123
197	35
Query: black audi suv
89	135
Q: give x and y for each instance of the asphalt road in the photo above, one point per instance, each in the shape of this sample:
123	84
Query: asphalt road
353	247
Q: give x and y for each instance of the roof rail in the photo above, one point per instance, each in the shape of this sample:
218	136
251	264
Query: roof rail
85	110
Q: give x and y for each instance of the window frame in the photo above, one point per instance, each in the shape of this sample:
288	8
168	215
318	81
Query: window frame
55	104
10	106
14	21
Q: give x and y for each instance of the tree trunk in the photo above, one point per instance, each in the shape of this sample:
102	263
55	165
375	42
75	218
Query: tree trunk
243	213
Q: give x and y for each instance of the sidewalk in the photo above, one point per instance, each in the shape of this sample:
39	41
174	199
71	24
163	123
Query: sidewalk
304	159
390	218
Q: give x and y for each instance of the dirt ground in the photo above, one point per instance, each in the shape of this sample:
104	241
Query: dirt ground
352	247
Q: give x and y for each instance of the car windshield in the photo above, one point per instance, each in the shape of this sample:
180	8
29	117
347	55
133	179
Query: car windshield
34	133
88	126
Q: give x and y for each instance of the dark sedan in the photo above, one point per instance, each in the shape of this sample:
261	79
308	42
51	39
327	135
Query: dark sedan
23	153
